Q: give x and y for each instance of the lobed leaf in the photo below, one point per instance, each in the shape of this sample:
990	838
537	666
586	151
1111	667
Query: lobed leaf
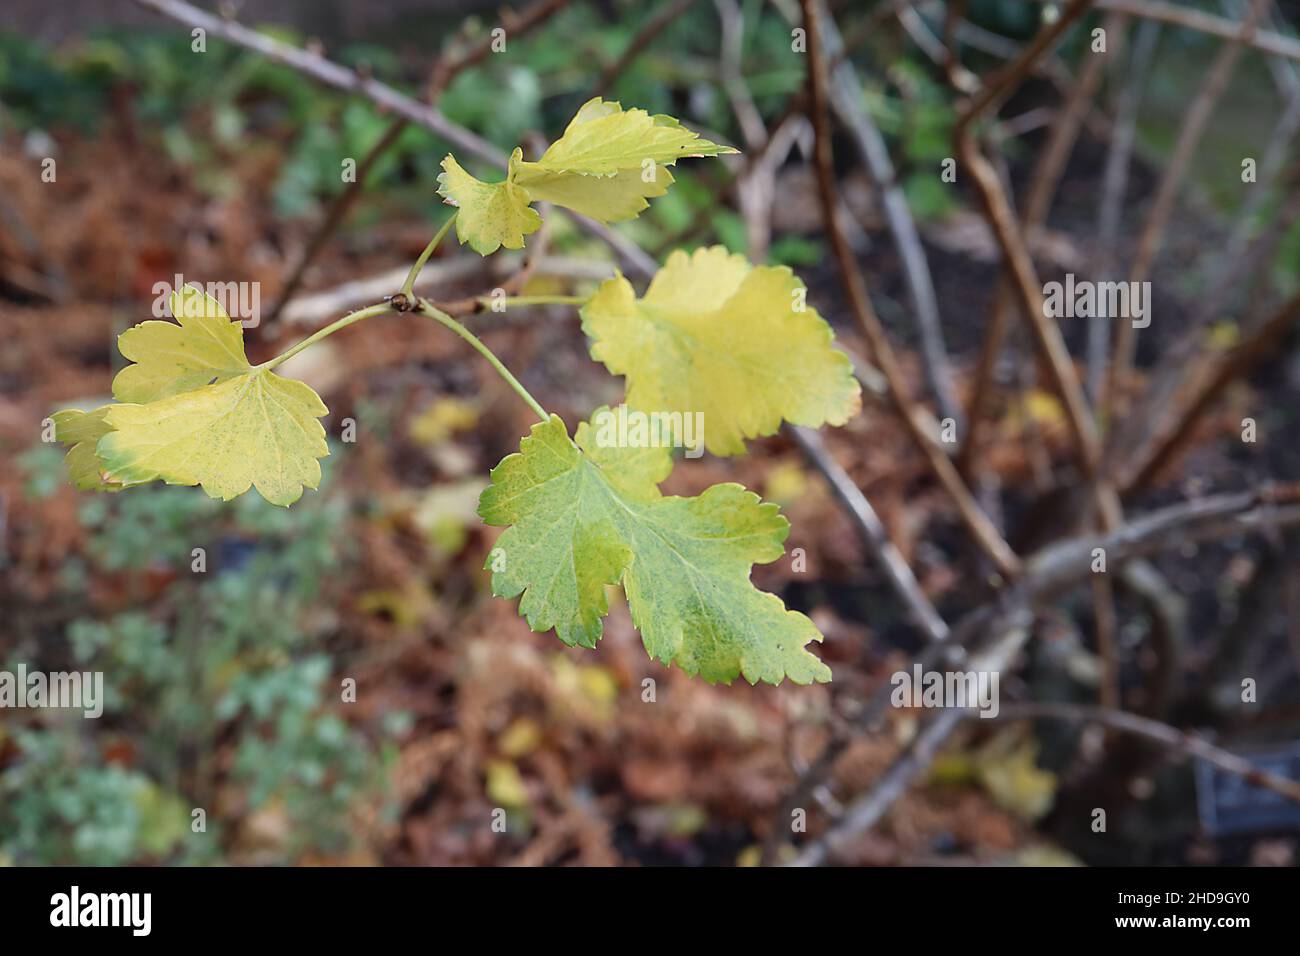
193	411
581	517
256	430
734	342
603	139
169	358
608	163
491	215
81	431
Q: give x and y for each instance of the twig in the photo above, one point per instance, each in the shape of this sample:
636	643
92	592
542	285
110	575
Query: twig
384	96
313	308
983	531
1194	123
1180	741
1227	259
733	80
448	67
1042	189
845	97
445	71
338	210
1114	188
873	535
1168	434
756	184
1198	20
1047	574
1009	633
1047	335
915	27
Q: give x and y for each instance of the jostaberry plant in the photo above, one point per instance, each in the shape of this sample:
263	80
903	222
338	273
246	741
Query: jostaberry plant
711	335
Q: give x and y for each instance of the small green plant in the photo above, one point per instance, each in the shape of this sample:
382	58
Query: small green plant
221	695
713	339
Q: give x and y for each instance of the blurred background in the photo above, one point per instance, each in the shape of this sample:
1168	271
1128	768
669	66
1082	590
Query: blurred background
224	688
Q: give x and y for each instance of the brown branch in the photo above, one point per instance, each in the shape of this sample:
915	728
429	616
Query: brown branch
384	96
334	216
1114	189
448	67
1189	136
1180	741
1047	335
1009	631
982	530
1047	574
445	71
873	535
1169	434
1042	189
1227	261
1201	22
845	98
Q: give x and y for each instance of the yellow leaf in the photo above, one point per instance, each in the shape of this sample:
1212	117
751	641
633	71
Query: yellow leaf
599	684
206	347
446	512
505	786
603	139
256	430
1223	334
610	197
786	483
1039	407
1009	771
82	431
606	165
491	215
441	419
717	336
520	738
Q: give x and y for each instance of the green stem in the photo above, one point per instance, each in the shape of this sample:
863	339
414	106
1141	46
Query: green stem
539	300
408	287
434	312
329	330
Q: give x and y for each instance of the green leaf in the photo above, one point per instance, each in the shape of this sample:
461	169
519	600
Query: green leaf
491	214
582	516
736	343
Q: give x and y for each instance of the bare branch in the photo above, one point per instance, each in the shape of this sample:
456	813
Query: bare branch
1201	22
1047	574
1189	136
1169	432
1114	189
1042	189
384	96
982	530
873	535
1188	745
335	215
846	100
